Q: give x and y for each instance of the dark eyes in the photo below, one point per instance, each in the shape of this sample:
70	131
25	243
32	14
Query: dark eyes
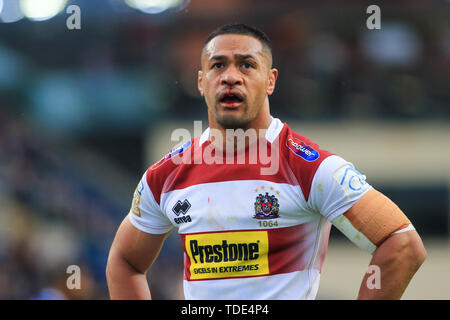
245	65
217	65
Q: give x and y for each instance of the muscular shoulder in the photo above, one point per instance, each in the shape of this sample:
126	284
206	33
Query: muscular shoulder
302	156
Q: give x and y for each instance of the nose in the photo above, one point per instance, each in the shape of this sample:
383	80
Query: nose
231	77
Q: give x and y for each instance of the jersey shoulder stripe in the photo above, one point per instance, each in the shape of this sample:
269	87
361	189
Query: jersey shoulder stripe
303	157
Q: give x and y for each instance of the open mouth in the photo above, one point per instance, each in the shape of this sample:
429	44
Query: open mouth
231	99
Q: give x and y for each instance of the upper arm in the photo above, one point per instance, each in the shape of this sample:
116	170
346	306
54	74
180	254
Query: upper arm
336	187
139	249
142	233
371	220
341	194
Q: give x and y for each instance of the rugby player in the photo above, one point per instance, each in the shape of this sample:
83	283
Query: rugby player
248	235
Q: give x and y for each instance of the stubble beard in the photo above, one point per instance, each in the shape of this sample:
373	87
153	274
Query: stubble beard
232	121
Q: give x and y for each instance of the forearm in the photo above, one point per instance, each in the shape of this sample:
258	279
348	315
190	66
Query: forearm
398	258
125	282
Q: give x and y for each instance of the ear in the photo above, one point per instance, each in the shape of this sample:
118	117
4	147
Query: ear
199	82
273	75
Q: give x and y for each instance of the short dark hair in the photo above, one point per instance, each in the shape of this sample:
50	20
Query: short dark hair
240	28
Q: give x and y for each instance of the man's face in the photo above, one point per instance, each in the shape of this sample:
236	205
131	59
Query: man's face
235	79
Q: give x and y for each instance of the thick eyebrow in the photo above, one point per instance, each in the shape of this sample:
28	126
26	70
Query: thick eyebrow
237	57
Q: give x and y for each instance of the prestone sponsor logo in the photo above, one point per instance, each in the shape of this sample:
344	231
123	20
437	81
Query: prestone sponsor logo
227	254
224	252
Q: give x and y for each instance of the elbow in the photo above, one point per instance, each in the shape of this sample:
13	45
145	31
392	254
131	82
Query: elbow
419	253
410	249
109	269
113	266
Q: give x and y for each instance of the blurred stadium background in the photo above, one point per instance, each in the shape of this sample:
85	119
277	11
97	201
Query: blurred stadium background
83	113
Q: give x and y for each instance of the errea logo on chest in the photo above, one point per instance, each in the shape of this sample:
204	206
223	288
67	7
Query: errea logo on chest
181	208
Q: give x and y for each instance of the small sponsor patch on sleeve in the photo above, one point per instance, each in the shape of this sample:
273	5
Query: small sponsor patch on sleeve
351	180
301	149
137	200
174	152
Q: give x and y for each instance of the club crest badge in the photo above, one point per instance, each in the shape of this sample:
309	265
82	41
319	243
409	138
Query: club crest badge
266	207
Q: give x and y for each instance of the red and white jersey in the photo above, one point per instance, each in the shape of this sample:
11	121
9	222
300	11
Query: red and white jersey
246	235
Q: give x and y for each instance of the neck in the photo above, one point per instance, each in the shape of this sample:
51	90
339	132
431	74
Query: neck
261	122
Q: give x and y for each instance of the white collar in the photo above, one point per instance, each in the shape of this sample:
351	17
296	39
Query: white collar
272	132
